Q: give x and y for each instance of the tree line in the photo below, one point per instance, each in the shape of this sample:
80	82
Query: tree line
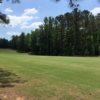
75	33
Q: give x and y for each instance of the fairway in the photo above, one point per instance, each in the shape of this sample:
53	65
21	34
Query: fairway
49	77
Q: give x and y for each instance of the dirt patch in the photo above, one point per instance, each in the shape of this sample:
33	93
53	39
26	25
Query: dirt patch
8	79
11	96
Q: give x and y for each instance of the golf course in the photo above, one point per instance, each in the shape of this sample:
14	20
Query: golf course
29	77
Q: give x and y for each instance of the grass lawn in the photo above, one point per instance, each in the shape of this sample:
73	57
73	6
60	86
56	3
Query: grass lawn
49	77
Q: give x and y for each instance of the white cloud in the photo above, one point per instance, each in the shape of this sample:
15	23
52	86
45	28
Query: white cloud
95	11
25	20
33	25
12	33
19	20
8	10
30	11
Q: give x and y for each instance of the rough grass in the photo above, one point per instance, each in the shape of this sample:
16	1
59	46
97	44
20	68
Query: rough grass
51	77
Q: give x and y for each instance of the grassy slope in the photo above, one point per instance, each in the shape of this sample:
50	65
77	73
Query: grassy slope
54	78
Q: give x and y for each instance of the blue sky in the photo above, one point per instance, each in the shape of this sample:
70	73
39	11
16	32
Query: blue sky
29	14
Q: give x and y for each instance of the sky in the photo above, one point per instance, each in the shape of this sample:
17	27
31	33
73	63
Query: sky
29	14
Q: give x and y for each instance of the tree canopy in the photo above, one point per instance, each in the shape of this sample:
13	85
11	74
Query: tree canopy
72	3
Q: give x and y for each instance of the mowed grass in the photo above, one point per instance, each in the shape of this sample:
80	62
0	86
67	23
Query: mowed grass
53	77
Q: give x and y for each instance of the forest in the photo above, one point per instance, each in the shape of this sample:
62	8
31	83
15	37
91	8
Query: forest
75	33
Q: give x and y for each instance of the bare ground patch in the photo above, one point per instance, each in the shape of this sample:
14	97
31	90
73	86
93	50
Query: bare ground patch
8	84
9	79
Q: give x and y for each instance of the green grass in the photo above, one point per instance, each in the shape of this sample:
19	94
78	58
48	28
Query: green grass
54	78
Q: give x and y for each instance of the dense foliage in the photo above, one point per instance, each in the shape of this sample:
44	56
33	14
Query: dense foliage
75	34
4	43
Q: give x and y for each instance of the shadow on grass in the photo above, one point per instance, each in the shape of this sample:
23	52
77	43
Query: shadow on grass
8	79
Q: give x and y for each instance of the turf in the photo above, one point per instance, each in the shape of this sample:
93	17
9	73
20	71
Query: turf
53	77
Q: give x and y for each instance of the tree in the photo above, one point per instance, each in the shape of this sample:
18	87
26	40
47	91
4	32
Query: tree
14	42
27	42
21	43
35	42
3	18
